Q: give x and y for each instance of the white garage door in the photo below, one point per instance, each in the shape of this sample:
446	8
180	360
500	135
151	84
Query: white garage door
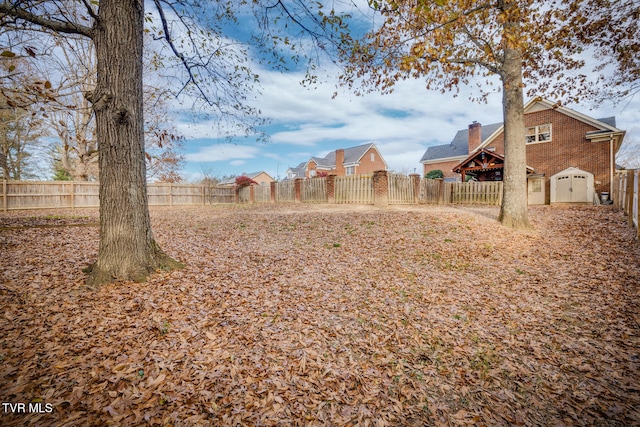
572	186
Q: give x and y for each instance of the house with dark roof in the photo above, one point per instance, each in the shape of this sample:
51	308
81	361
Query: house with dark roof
564	148
361	159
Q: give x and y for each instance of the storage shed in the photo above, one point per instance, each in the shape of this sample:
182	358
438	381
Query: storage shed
572	185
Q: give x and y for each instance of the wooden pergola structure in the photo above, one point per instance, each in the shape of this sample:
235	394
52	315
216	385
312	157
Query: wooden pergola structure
483	165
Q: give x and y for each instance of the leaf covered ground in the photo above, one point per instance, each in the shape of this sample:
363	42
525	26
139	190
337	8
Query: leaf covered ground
320	315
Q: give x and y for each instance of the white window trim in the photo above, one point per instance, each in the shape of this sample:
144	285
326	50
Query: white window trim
537	130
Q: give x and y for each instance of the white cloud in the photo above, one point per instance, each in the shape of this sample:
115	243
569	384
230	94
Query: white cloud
223	152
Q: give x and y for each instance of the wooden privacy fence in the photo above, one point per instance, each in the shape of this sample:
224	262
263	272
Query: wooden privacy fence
69	194
314	190
285	191
431	191
625	194
380	189
482	193
354	189
401	190
262	193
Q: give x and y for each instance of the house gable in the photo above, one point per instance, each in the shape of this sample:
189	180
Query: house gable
558	138
356	159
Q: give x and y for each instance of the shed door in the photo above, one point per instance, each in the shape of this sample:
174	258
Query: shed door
579	188
571	188
563	189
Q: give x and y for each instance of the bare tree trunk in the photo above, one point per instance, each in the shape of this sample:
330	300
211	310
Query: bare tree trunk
513	210
127	249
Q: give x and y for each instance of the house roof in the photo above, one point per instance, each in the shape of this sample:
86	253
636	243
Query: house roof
251	175
459	146
352	155
298	171
479	157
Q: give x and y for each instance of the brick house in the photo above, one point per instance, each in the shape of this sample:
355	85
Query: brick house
558	139
358	160
262	178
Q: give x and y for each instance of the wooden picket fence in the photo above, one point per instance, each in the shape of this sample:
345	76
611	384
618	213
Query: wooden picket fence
262	193
400	190
285	191
474	193
626	195
314	190
357	189
431	191
69	194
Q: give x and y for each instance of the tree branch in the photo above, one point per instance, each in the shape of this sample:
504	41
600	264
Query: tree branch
57	26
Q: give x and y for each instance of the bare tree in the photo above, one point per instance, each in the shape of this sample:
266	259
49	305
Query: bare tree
215	70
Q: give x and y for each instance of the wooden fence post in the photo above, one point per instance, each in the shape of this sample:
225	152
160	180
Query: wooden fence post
331	188
440	190
380	188
415	184
629	201
272	193
73	195
4	195
297	190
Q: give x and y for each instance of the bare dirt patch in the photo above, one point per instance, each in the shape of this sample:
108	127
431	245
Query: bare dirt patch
324	315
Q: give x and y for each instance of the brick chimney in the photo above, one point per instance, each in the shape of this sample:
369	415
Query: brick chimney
340	162
475	136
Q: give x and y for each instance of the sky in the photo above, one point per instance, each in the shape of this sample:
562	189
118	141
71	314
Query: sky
306	122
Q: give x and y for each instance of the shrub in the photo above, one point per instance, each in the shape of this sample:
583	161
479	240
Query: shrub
434	174
244	181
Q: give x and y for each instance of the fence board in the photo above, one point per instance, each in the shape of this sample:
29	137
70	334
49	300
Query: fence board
314	190
400	189
217	195
354	189
482	193
262	193
431	191
285	191
68	194
636	189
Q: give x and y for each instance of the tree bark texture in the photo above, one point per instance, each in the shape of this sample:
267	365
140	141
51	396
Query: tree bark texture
127	249
513	210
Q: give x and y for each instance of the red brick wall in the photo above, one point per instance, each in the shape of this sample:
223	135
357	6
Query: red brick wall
367	166
445	167
568	148
311	167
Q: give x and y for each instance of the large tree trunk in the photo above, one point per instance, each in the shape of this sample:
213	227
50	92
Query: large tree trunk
127	249
513	211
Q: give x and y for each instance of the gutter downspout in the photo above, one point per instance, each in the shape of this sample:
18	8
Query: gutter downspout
611	166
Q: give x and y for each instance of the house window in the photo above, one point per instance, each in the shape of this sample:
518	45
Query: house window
312	173
373	157
541	133
350	170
